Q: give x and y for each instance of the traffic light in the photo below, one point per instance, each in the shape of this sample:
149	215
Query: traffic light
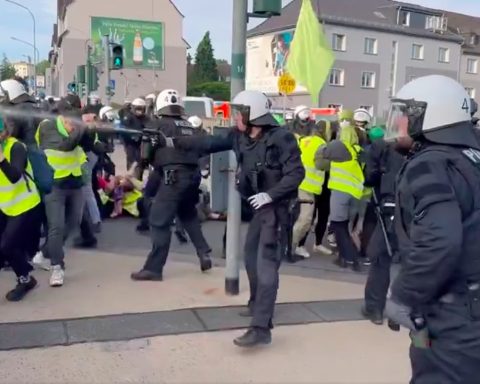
267	7
72	87
81	73
92	79
117	56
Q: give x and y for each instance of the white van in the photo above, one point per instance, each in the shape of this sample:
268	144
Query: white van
199	106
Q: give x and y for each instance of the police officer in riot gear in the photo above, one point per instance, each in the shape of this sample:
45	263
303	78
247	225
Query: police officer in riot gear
178	192
302	123
382	165
437	292
270	172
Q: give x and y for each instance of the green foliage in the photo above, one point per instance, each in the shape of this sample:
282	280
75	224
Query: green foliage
7	70
42	67
215	89
205	65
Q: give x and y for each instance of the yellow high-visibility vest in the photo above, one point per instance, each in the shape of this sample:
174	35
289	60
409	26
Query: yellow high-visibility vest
347	176
64	163
314	178
20	197
130	202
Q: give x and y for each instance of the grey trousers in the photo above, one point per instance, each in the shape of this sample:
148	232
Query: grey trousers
64	209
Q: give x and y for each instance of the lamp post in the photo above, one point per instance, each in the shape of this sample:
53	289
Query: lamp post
34	43
36	59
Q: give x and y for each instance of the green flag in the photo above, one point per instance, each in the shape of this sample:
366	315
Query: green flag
311	57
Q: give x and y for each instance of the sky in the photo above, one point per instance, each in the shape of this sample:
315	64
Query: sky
200	16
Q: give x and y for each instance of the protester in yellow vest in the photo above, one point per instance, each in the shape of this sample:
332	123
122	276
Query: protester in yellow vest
20	214
340	157
310	188
61	139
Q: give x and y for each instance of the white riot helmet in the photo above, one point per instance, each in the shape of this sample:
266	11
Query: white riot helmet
138	102
419	109
107	114
151	97
195	121
13	91
169	103
302	113
361	115
254	107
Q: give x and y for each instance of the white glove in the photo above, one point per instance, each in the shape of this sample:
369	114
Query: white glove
400	314
259	200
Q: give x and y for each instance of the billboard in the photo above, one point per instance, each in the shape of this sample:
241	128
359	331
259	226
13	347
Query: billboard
143	41
267	58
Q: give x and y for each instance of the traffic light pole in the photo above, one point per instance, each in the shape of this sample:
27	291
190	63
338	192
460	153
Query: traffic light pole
88	72
106	46
239	41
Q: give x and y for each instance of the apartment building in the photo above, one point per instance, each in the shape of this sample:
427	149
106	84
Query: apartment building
23	69
379	46
151	32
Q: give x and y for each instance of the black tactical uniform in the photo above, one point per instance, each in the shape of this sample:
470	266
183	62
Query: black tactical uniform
270	164
383	163
438	223
132	142
177	196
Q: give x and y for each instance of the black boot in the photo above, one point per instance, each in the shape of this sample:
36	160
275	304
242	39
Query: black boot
143	227
374	315
24	285
340	263
90	243
205	262
145	275
253	337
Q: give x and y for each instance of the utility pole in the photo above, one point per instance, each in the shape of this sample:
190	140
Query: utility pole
88	72
106	46
239	42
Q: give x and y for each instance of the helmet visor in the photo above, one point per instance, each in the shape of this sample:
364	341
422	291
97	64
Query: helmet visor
405	119
240	115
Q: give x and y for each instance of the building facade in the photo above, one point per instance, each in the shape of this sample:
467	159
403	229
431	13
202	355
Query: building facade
151	32
23	69
379	46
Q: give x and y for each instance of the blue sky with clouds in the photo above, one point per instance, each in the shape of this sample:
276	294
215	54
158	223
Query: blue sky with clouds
200	16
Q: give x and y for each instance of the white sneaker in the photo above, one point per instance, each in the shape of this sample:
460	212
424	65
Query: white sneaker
56	280
301	251
41	262
322	249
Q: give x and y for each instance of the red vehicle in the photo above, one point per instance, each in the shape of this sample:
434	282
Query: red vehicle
221	109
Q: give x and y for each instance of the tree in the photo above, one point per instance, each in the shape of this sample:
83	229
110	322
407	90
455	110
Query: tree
217	90
205	64
42	67
7	70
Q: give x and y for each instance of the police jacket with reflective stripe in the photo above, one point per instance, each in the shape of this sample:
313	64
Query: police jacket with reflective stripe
438	224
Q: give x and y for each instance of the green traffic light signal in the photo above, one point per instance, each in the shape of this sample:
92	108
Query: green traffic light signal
117	56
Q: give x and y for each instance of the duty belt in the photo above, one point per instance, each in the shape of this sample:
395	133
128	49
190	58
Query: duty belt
451	298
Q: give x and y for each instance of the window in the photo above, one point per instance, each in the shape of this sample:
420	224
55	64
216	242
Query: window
368	108
473	39
443	55
371	46
368	79
472	66
471	92
339	42
417	52
404	18
337	77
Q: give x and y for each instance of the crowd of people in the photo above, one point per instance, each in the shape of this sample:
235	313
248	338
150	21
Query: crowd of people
405	191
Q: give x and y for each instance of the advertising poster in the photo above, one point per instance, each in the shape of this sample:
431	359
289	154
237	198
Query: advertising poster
143	41
267	58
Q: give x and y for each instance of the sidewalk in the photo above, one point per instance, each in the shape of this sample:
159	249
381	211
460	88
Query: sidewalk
181	330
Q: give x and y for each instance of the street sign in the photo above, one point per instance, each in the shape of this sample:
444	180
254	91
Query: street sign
286	84
112	84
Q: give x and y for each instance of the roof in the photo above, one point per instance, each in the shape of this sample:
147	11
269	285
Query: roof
465	26
379	15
